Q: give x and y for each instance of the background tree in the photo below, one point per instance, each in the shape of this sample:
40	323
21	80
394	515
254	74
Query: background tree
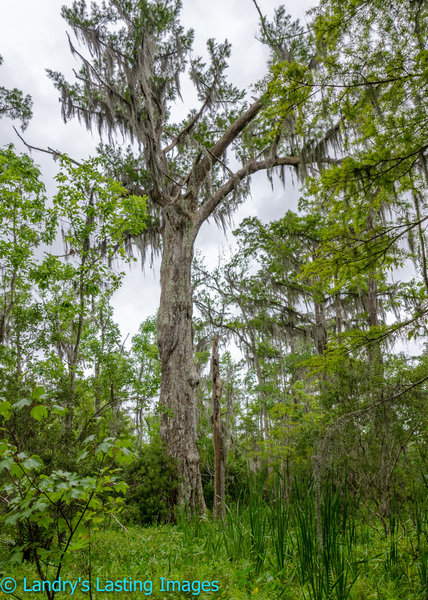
145	378
15	105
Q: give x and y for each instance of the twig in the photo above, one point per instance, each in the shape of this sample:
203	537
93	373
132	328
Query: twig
123	526
55	153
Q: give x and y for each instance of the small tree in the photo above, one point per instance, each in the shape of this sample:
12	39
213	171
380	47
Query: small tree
145	373
51	515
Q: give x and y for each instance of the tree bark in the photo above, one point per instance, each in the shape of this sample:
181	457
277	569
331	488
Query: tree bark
179	375
219	483
320	330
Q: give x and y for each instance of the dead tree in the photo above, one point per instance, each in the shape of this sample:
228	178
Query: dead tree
219	474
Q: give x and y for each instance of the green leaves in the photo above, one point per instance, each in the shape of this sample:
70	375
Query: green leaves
100	210
60	501
15	105
39	411
5	408
115	448
81	456
22	404
32	463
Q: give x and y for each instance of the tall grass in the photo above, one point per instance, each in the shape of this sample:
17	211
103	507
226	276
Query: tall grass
278	516
323	549
279	544
420	520
325	566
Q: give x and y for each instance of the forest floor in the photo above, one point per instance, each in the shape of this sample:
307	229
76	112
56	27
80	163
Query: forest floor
144	561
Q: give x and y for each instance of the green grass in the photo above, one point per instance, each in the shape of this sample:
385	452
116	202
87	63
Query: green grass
269	548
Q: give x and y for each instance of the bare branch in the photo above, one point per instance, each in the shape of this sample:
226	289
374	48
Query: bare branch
187	129
55	153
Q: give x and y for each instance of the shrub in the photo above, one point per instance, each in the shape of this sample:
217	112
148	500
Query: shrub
153	486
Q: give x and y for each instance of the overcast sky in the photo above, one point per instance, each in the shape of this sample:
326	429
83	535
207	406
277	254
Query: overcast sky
33	38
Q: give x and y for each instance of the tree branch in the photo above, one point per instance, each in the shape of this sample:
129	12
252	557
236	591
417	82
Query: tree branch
186	129
201	169
282	53
55	153
251	167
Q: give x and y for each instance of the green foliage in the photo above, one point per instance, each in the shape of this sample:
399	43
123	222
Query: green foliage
153	485
101	212
312	301
145	378
354	560
312	543
50	513
24	220
15	105
325	539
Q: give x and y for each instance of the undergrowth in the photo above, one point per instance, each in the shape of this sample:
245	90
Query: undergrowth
271	546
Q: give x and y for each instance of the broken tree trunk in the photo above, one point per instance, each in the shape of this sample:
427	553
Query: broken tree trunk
219	477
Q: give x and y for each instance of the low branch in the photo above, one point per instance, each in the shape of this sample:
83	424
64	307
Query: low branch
347	417
106	406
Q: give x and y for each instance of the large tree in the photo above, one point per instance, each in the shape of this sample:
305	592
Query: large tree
129	80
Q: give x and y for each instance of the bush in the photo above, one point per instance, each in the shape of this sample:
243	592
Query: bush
153	486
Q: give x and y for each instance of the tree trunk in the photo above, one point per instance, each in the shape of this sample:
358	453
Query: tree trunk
219	483
320	331
97	394
264	420
179	375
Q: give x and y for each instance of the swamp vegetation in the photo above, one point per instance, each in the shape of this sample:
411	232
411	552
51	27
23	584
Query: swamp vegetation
265	434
